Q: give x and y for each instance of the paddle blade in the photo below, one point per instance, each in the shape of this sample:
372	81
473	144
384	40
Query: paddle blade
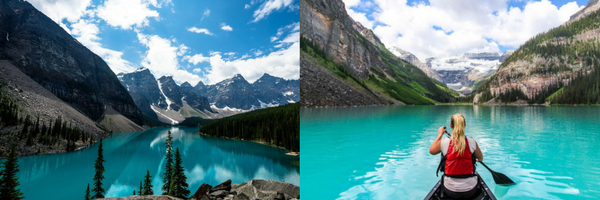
501	179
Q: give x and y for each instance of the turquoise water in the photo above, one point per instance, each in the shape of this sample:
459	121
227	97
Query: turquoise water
383	152
129	155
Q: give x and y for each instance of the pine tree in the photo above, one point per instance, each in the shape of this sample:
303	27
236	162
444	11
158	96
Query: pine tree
99	176
148	184
179	184
140	191
9	181
168	166
87	192
133	192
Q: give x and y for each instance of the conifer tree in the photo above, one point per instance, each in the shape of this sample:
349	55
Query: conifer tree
99	176
133	192
140	191
179	185
168	166
9	181
87	192
148	184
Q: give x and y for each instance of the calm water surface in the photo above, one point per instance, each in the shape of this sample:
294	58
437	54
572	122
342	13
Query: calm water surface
383	152
129	155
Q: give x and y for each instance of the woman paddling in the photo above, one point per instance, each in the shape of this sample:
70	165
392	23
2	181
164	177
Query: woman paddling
459	154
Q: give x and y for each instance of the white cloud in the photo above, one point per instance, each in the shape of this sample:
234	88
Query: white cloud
200	30
195	59
293	36
269	6
452	27
87	34
127	13
258	52
283	63
226	27
71	10
205	14
162	59
246	6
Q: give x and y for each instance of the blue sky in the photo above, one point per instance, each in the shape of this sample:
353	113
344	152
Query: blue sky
437	28
190	40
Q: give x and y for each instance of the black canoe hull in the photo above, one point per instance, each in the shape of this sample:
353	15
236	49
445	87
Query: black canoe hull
484	194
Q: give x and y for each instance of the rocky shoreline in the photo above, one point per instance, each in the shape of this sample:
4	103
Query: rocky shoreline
253	190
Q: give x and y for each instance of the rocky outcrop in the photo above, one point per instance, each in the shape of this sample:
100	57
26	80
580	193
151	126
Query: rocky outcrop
328	25
150	197
49	55
591	7
253	190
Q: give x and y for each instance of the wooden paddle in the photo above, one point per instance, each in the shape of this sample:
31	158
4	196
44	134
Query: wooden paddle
499	178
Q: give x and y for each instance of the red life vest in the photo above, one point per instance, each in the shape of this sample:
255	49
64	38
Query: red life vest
458	164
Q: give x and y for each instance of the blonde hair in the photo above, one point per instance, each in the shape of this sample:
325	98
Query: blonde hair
458	132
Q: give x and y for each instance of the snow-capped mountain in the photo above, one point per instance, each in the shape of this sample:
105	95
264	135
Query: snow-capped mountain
171	103
463	73
237	93
163	99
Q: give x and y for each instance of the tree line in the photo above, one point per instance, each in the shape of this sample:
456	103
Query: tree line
278	126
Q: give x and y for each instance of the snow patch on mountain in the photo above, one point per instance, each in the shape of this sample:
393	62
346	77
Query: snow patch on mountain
161	92
267	105
173	122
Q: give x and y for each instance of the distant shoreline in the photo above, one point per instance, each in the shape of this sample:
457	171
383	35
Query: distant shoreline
255	141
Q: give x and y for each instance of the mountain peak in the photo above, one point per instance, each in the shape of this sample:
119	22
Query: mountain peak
141	70
238	76
186	84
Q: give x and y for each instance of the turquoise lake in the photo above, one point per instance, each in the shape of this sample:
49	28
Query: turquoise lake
383	152
128	156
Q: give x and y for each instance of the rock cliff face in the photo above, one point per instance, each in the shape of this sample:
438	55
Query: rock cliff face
592	6
143	88
41	49
363	65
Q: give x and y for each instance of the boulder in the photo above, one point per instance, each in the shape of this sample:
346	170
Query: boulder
223	186
219	193
202	191
273	187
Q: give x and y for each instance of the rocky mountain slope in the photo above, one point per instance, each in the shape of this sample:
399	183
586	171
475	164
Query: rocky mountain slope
42	50
162	98
411	58
559	66
345	64
36	101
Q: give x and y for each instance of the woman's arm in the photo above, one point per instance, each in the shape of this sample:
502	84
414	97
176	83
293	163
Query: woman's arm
478	153
436	145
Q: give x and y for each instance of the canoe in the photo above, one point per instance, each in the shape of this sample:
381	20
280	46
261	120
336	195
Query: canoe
484	194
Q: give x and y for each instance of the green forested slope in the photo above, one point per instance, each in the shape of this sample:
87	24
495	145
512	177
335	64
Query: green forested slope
278	126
